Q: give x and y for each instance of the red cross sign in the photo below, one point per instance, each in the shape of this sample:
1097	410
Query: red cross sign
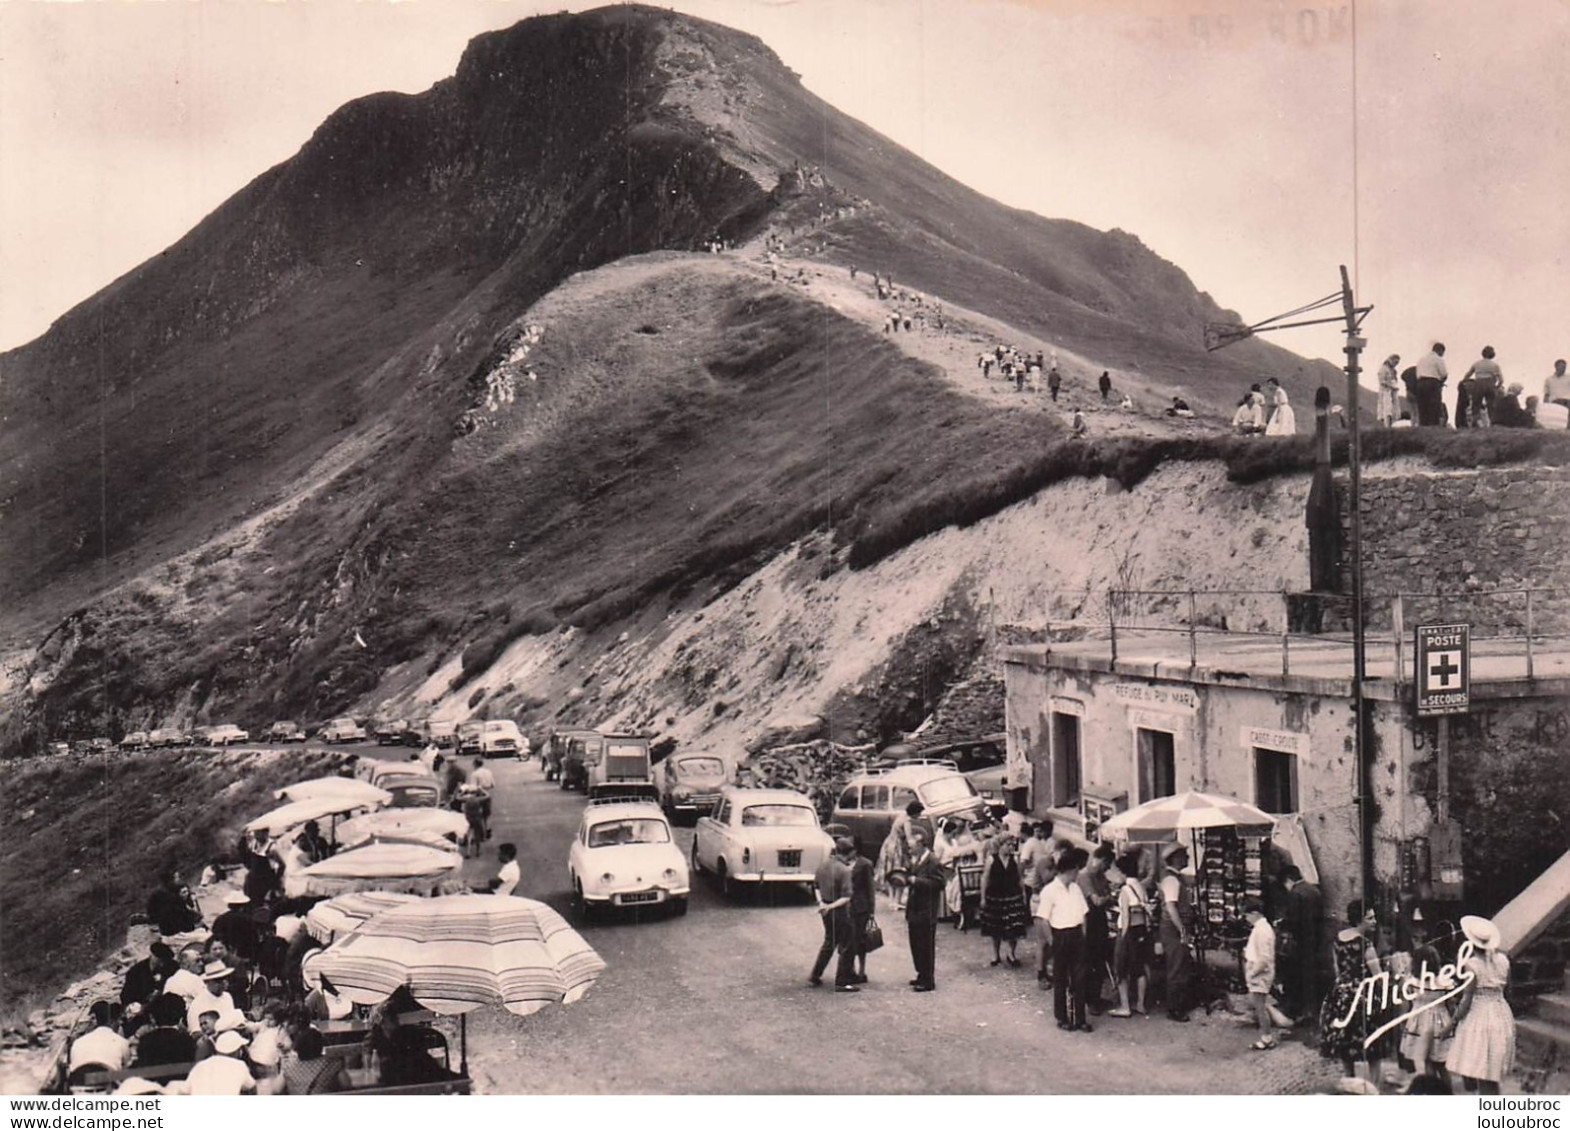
1443	669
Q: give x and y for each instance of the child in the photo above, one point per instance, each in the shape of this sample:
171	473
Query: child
1259	971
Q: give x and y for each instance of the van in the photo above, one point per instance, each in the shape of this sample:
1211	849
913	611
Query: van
580	750
872	799
625	768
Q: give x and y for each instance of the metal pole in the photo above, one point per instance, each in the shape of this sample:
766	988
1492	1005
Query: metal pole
1112	623
1529	673
1365	766
1193	652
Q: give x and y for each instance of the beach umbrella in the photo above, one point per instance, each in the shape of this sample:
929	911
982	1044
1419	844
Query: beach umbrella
459	952
296	813
333	918
419	825
381	867
334	789
456	953
1165	818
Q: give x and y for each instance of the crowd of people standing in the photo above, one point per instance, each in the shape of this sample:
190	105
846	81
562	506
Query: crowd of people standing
1416	395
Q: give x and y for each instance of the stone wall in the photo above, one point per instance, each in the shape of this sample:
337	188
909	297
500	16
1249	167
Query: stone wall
1464	534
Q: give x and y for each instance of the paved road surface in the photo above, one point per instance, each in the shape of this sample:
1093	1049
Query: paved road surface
718	1002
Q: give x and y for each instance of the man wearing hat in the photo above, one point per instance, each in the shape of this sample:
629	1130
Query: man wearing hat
1177	915
831	883
237	928
225	1074
214	997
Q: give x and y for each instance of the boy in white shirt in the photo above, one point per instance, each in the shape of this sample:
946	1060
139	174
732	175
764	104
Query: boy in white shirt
1259	971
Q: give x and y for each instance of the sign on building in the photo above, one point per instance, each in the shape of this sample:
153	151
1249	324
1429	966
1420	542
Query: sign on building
1444	669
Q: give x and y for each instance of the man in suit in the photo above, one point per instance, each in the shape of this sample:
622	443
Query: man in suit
1303	964
925	881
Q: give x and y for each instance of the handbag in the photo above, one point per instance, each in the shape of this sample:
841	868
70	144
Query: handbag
871	936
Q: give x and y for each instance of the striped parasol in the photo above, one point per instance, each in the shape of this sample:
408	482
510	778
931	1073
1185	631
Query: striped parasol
460	952
381	867
418	825
296	813
334	918
1164	818
334	789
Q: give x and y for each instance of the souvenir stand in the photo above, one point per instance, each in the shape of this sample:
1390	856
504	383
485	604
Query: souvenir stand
1229	842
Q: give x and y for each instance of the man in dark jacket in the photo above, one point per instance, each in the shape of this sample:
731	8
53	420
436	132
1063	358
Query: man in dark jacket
145	979
925	903
831	884
1302	965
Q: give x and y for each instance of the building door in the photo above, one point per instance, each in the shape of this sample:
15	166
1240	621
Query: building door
1157	765
1067	769
1275	780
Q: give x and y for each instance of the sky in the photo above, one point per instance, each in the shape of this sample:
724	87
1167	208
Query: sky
1258	144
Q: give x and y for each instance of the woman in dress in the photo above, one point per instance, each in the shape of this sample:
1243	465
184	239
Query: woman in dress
1348	1015
1004	916
894	856
957	847
1483	1048
1282	420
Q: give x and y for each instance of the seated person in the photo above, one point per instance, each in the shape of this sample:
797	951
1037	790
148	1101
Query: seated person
506	881
306	1072
1507	411
402	1052
164	1039
1179	408
224	1074
145	979
325	1003
171	907
98	1049
208	1034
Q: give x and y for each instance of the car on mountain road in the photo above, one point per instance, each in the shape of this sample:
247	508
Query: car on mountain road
226	734
760	836
501	738
690	783
469	736
135	740
625	855
165	737
285	731
389	732
342	729
870	802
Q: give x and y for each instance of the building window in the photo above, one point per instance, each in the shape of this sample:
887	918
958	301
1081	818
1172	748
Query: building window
1275	780
1067	769
1157	764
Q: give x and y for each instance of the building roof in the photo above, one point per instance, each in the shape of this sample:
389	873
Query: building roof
1319	665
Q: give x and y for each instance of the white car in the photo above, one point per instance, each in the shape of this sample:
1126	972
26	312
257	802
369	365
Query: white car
502	738
625	856
226	735
342	730
760	836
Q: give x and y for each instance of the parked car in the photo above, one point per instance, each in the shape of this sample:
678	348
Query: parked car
690	783
760	836
165	737
469	736
626	856
411	786
580	750
59	748
199	735
501	738
342	730
389	732
135	740
625	768
871	800
284	731
226	735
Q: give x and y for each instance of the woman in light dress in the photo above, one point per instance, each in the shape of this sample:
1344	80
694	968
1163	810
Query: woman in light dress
1389	405
1282	420
1483	1048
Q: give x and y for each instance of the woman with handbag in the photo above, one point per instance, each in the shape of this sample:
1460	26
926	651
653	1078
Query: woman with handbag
1004	914
1131	955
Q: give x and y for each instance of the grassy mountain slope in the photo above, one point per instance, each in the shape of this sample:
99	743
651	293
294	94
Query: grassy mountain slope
239	458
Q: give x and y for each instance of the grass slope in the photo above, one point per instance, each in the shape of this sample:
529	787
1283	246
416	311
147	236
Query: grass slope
85	839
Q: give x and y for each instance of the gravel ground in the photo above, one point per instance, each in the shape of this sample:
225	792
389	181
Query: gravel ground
717	1002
